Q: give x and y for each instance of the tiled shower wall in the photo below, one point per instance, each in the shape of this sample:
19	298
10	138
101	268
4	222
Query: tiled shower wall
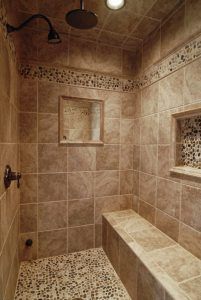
171	203
9	153
65	189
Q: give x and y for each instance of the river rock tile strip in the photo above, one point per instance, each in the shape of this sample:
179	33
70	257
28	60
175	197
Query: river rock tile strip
78	78
81	275
173	62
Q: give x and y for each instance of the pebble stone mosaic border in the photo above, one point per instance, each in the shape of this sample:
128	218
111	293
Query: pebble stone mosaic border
186	54
82	275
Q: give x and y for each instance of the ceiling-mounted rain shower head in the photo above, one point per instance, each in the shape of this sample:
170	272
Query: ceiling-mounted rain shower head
81	18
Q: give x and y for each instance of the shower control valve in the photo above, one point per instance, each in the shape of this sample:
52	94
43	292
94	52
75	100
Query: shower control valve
10	176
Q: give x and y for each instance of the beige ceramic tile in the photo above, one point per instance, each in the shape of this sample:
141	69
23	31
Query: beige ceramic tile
28	95
52	243
28	218
104	205
191	207
107	157
52	215
152	239
112	131
80	185
178	263
81	212
147	211
81	159
52	187
28	188
168	197
192	288
106	183
28	158
149	100
167	224
47	128
80	238
28	128
126	182
147	188
126	131
148	159
126	157
190	239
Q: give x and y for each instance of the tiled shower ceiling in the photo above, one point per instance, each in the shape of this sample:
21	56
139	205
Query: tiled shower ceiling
125	28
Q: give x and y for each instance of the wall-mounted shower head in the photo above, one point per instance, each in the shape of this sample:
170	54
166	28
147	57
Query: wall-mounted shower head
53	36
81	18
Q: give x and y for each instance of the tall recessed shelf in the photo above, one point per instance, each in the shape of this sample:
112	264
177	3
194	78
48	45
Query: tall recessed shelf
186	142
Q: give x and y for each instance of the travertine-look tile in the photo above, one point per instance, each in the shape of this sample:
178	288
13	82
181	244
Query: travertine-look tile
48	96
167	224
112	131
80	238
126	131
128	267
178	263
81	159
192	91
107	157
190	239
192	288
171	91
191	207
148	159
51	243
106	183
149	100
151	49
105	204
147	188
168	197
147	211
80	185
126	182
112	105
28	127
51	158
28	95
28	218
127	107
152	239
126	157
47	128
149	130
164	161
113	248
28	158
81	212
148	288
28	188
52	215
173	32
52	187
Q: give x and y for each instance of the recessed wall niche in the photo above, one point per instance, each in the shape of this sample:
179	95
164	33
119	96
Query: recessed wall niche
186	142
81	121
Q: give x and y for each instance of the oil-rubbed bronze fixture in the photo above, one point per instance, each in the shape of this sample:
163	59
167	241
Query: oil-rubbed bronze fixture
53	36
10	176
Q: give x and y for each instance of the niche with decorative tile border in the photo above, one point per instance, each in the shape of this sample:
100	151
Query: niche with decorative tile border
186	142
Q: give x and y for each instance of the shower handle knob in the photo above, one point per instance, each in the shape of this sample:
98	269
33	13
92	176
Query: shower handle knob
10	176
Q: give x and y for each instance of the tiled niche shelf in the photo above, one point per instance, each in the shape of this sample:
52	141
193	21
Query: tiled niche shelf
186	142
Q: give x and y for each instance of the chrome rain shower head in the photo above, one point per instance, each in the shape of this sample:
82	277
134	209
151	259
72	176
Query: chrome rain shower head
81	18
53	36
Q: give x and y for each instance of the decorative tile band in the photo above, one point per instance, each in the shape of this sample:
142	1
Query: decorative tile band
78	78
186	54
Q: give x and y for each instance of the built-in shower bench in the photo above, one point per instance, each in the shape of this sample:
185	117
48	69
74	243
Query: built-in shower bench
151	265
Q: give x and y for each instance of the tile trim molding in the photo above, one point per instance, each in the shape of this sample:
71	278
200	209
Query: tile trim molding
173	62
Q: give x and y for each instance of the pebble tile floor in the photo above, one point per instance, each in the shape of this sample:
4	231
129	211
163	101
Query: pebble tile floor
81	275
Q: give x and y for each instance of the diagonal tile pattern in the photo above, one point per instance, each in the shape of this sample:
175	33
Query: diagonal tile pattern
81	275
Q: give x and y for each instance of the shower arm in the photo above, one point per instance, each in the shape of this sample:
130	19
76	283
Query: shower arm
11	28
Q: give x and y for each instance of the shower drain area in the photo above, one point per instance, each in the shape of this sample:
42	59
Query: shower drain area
77	276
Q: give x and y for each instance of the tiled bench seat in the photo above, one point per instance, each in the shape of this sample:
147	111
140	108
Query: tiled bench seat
150	264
